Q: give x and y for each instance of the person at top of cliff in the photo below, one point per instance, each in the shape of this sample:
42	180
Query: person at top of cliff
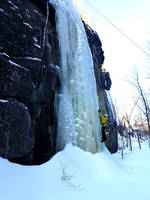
106	80
103	121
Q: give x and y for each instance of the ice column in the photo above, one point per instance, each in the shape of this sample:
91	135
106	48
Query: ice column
78	120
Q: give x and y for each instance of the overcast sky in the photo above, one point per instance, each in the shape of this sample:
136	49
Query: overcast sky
133	18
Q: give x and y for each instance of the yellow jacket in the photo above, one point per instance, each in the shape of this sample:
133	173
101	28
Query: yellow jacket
103	119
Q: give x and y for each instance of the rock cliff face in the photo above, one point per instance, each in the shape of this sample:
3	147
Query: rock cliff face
105	102
30	80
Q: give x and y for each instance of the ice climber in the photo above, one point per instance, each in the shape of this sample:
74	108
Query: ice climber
103	120
106	80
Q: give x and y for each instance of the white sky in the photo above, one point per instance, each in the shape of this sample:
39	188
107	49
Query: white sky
133	18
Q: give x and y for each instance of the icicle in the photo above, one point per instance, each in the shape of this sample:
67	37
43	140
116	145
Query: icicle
78	120
110	103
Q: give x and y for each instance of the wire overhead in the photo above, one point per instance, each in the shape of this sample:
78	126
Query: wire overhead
118	29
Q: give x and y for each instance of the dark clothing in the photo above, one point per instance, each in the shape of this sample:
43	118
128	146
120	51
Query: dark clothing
106	80
103	134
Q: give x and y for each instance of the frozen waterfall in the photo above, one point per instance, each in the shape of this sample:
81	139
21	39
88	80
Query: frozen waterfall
112	111
78	120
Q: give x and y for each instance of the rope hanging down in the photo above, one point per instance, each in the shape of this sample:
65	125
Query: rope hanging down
45	28
119	30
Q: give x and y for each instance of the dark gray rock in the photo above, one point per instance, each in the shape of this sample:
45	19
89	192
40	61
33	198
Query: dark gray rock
15	80
29	75
104	103
95	45
16	137
97	53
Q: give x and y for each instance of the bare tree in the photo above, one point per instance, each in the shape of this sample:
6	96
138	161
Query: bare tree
127	119
142	99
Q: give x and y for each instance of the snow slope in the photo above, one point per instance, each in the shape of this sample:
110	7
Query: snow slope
78	175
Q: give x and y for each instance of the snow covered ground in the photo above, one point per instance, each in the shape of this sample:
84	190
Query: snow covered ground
73	174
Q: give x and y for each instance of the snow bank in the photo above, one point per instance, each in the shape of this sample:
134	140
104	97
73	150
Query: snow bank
76	175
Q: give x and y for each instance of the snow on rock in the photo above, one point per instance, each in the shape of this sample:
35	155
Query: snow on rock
3	101
33	58
16	65
28	25
37	12
36	43
13	5
1	10
4	54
